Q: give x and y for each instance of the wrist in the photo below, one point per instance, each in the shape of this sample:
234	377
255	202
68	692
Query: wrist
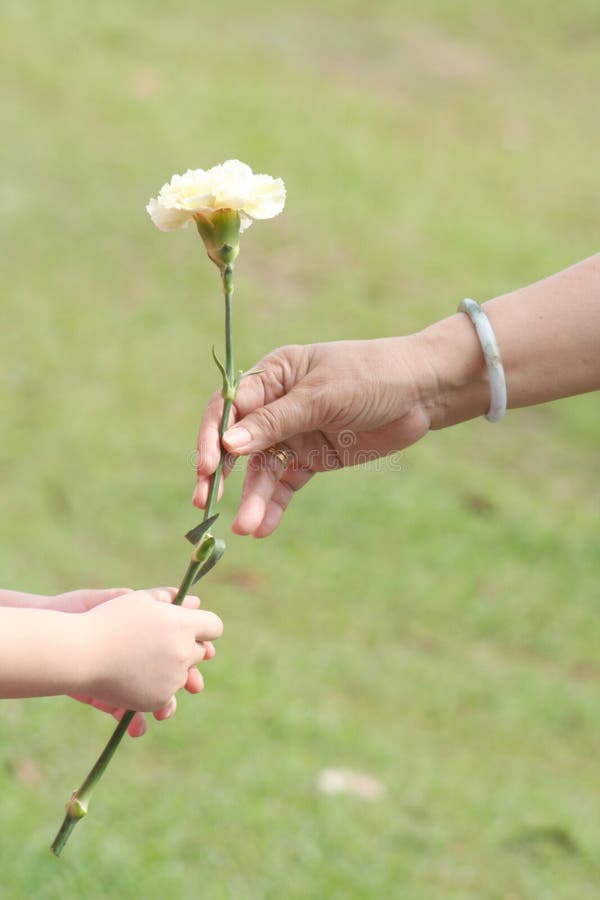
452	380
73	643
92	653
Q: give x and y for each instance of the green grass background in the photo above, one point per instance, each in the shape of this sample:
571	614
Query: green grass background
436	626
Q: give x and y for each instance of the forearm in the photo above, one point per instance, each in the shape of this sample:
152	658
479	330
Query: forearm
549	339
42	653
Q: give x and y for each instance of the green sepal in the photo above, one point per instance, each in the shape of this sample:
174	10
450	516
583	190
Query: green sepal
220	367
220	231
195	534
217	551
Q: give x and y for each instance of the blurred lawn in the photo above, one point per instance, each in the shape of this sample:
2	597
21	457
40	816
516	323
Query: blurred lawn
435	626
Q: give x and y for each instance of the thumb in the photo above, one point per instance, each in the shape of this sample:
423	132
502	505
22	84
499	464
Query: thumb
281	419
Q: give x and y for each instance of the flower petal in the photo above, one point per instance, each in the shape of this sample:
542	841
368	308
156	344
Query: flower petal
245	221
230	185
268	197
168	218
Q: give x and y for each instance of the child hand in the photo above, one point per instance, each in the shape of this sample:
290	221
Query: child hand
141	652
82	601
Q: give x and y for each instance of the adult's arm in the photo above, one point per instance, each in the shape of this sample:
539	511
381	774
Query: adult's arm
341	403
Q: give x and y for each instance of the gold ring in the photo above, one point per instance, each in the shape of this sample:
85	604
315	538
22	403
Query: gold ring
283	454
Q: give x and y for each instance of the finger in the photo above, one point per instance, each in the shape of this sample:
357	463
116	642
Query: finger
167	711
277	375
195	681
259	488
203	482
204	650
105	594
279	502
209	650
199	653
202	490
168	594
137	727
262	474
205	626
209	445
160	594
208	451
290	415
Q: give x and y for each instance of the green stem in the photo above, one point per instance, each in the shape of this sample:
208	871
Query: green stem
186	582
229	388
78	804
227	277
216	478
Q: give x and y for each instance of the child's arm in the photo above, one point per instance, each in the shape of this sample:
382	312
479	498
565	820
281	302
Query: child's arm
123	649
42	652
84	600
18	598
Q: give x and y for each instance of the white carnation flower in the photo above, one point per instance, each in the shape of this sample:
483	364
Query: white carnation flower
199	193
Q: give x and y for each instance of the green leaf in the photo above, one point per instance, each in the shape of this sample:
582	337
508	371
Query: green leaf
220	365
195	534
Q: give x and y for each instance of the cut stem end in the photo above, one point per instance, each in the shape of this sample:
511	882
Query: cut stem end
76	810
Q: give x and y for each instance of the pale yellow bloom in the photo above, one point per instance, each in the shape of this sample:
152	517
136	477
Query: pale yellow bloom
200	193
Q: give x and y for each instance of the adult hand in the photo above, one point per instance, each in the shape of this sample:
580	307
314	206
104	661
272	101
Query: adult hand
331	405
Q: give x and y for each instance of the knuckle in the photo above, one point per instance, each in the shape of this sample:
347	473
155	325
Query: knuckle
269	419
181	656
284	364
287	361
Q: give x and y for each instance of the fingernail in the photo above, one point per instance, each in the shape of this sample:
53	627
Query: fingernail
237	438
